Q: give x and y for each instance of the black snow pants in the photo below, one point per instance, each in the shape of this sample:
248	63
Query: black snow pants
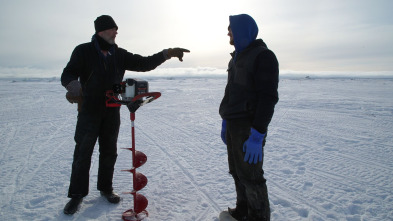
250	184
105	127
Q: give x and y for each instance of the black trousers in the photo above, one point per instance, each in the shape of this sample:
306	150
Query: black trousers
251	189
105	127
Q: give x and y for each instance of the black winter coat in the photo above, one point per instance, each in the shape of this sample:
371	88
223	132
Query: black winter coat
251	91
98	73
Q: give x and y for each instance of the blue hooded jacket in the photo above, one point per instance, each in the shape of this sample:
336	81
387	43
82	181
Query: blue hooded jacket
251	91
244	31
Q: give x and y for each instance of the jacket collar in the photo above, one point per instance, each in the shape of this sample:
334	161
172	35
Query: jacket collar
256	43
94	40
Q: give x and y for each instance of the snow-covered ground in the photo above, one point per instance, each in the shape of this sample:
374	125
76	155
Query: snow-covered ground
328	155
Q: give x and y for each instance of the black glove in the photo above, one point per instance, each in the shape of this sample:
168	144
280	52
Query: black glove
74	88
74	93
177	52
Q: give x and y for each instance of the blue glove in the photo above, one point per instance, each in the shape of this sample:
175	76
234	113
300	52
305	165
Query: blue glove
223	131
253	147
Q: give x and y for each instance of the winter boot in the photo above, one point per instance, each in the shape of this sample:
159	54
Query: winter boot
72	206
112	197
240	212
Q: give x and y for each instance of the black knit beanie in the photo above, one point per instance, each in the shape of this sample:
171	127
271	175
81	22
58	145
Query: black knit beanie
104	22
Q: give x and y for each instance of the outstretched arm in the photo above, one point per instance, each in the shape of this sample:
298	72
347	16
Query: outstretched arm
135	62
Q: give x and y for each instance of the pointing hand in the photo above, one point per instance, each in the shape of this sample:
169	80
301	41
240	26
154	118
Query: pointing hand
177	52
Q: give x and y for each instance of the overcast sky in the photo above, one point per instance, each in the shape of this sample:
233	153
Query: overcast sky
306	35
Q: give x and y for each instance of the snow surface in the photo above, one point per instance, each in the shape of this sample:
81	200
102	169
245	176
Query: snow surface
328	155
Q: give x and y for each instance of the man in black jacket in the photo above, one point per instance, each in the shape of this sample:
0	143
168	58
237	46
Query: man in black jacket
93	69
247	109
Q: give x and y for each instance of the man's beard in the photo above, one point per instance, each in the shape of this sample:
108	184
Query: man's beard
103	43
111	41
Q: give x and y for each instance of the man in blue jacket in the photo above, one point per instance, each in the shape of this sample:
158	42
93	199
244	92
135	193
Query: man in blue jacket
247	109
94	68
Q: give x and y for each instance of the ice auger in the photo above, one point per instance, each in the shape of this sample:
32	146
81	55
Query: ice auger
134	94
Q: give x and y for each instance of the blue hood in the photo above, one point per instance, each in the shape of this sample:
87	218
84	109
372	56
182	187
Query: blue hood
244	31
